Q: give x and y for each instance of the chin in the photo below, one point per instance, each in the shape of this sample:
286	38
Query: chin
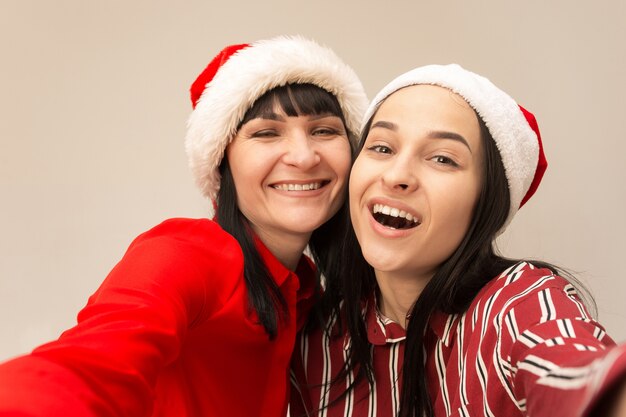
306	221
381	260
302	225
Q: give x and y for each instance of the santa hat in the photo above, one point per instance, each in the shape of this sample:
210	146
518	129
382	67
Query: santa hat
239	75
514	129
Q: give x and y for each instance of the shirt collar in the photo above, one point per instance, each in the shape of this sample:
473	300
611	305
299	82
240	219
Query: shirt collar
305	273
443	326
380	329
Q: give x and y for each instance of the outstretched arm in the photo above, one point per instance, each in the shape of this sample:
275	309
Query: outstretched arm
563	362
131	328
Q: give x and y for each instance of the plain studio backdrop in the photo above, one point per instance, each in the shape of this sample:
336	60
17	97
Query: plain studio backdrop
94	102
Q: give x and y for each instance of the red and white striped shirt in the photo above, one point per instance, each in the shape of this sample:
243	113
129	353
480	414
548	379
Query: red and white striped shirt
525	347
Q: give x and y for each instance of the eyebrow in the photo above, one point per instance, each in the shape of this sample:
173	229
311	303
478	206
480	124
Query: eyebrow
385	125
443	134
433	134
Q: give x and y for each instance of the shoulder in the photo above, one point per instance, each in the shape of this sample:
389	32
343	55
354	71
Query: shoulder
529	291
525	296
200	231
192	259
200	237
521	281
183	248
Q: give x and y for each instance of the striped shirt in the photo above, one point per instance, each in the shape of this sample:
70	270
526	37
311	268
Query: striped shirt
525	347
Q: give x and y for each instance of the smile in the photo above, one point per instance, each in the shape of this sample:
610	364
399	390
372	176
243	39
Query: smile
300	187
394	218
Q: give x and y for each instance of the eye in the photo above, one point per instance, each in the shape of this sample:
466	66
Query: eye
265	133
325	131
380	149
444	160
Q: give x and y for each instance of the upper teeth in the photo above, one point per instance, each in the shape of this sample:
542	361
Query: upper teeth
393	212
298	187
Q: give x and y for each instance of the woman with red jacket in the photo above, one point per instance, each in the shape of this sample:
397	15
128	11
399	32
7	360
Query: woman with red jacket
199	317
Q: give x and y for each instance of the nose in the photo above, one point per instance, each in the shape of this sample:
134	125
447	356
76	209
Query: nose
301	152
401	175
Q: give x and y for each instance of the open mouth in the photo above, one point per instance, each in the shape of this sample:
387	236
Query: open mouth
300	187
394	218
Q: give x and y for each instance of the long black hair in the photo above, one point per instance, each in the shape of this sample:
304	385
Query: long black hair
263	293
451	290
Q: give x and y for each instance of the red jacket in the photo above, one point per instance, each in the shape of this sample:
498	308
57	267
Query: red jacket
168	333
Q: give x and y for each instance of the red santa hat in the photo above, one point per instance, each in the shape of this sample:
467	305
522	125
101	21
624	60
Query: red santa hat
514	129
239	75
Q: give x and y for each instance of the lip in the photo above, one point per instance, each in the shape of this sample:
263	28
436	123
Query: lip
386	231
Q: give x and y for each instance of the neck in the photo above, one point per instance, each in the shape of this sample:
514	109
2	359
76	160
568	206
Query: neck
287	248
398	293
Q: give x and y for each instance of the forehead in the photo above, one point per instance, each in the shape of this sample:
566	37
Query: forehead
429	107
419	97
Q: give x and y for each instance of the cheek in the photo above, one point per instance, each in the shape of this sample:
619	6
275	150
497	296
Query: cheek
455	208
355	186
250	164
236	160
242	175
452	222
360	179
337	155
343	171
460	221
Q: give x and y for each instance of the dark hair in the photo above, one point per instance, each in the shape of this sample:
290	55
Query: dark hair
264	295
451	290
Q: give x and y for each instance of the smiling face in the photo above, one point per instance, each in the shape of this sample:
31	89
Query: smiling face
290	172
416	181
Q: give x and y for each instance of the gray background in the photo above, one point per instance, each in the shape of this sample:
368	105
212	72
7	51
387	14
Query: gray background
93	106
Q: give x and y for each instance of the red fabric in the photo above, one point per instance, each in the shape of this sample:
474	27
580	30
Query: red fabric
206	76
542	162
168	333
525	347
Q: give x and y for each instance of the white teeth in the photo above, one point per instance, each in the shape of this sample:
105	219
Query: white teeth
298	187
393	212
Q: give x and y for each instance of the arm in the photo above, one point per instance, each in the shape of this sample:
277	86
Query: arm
562	360
610	397
131	328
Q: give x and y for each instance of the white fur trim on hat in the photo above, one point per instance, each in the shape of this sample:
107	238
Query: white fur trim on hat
246	76
515	139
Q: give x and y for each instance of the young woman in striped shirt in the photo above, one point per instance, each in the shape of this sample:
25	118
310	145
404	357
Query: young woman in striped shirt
426	319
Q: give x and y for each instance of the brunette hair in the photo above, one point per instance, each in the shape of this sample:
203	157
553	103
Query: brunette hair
264	295
451	290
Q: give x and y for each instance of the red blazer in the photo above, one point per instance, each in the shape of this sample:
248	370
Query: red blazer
168	333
